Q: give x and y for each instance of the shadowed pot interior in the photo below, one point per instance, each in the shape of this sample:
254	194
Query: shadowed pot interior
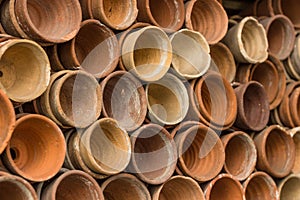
289	188
296	137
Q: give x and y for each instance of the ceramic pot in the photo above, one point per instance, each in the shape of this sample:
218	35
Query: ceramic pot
295	57
289	8
86	8
31	153
54	59
263	8
125	186
191	57
295	133
289	187
124	99
207	17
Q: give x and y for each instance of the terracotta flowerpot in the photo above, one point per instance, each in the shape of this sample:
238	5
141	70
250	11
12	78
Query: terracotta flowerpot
105	147
240	154
31	152
22	84
154	154
253	106
54	59
291	69
95	49
281	35
178	188
289	187
124	187
224	187
86	8
167	100
270	143
201	152
49	22
168	15
289	8
207	17
124	99
263	8
260	186
295	133
147	53
248	41
191	57
295	56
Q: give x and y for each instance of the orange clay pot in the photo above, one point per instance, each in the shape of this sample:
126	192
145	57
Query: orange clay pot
295	133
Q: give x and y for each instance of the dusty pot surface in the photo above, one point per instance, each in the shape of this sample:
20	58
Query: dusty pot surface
31	153
124	99
295	133
260	186
289	187
270	143
147	53
22	84
191	57
125	186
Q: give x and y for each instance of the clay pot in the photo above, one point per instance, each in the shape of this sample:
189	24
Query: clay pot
22	84
222	61
253	106
248	41
289	187
73	184
291	69
295	56
124	187
295	133
15	188
105	147
147	53
94	49
270	143
178	188
86	8
167	100
48	22
289	8
281	35
260	186
201	153
240	154
207	17
31	152
154	154
263	8
124	99
224	187
168	15
54	59
191	57
8	120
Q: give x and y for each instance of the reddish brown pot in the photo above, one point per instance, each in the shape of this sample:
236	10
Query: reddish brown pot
86	8
295	133
95	49
253	106
73	184
201	152
208	18
289	187
289	8
124	99
55	62
31	153
224	187
178	188
260	186
168	15
292	71
295	55
270	143
123	187
240	154
154	154
263	8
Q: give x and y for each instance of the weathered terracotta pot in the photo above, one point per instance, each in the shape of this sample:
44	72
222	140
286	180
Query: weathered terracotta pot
54	59
253	106
281	35
207	17
124	99
31	153
178	188
8	120
167	100
224	187
200	150
295	133
95	49
291	69
168	15
270	143
48	22
147	53
123	187
260	186
154	154
223	61
289	8
86	8
191	57
240	154
289	187
248	41
263	8
295	56
19	83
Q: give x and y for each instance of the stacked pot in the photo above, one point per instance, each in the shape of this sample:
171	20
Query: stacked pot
174	99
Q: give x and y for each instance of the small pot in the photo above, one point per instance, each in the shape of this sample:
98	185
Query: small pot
295	55
54	59
295	133
292	71
289	8
289	187
263	8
